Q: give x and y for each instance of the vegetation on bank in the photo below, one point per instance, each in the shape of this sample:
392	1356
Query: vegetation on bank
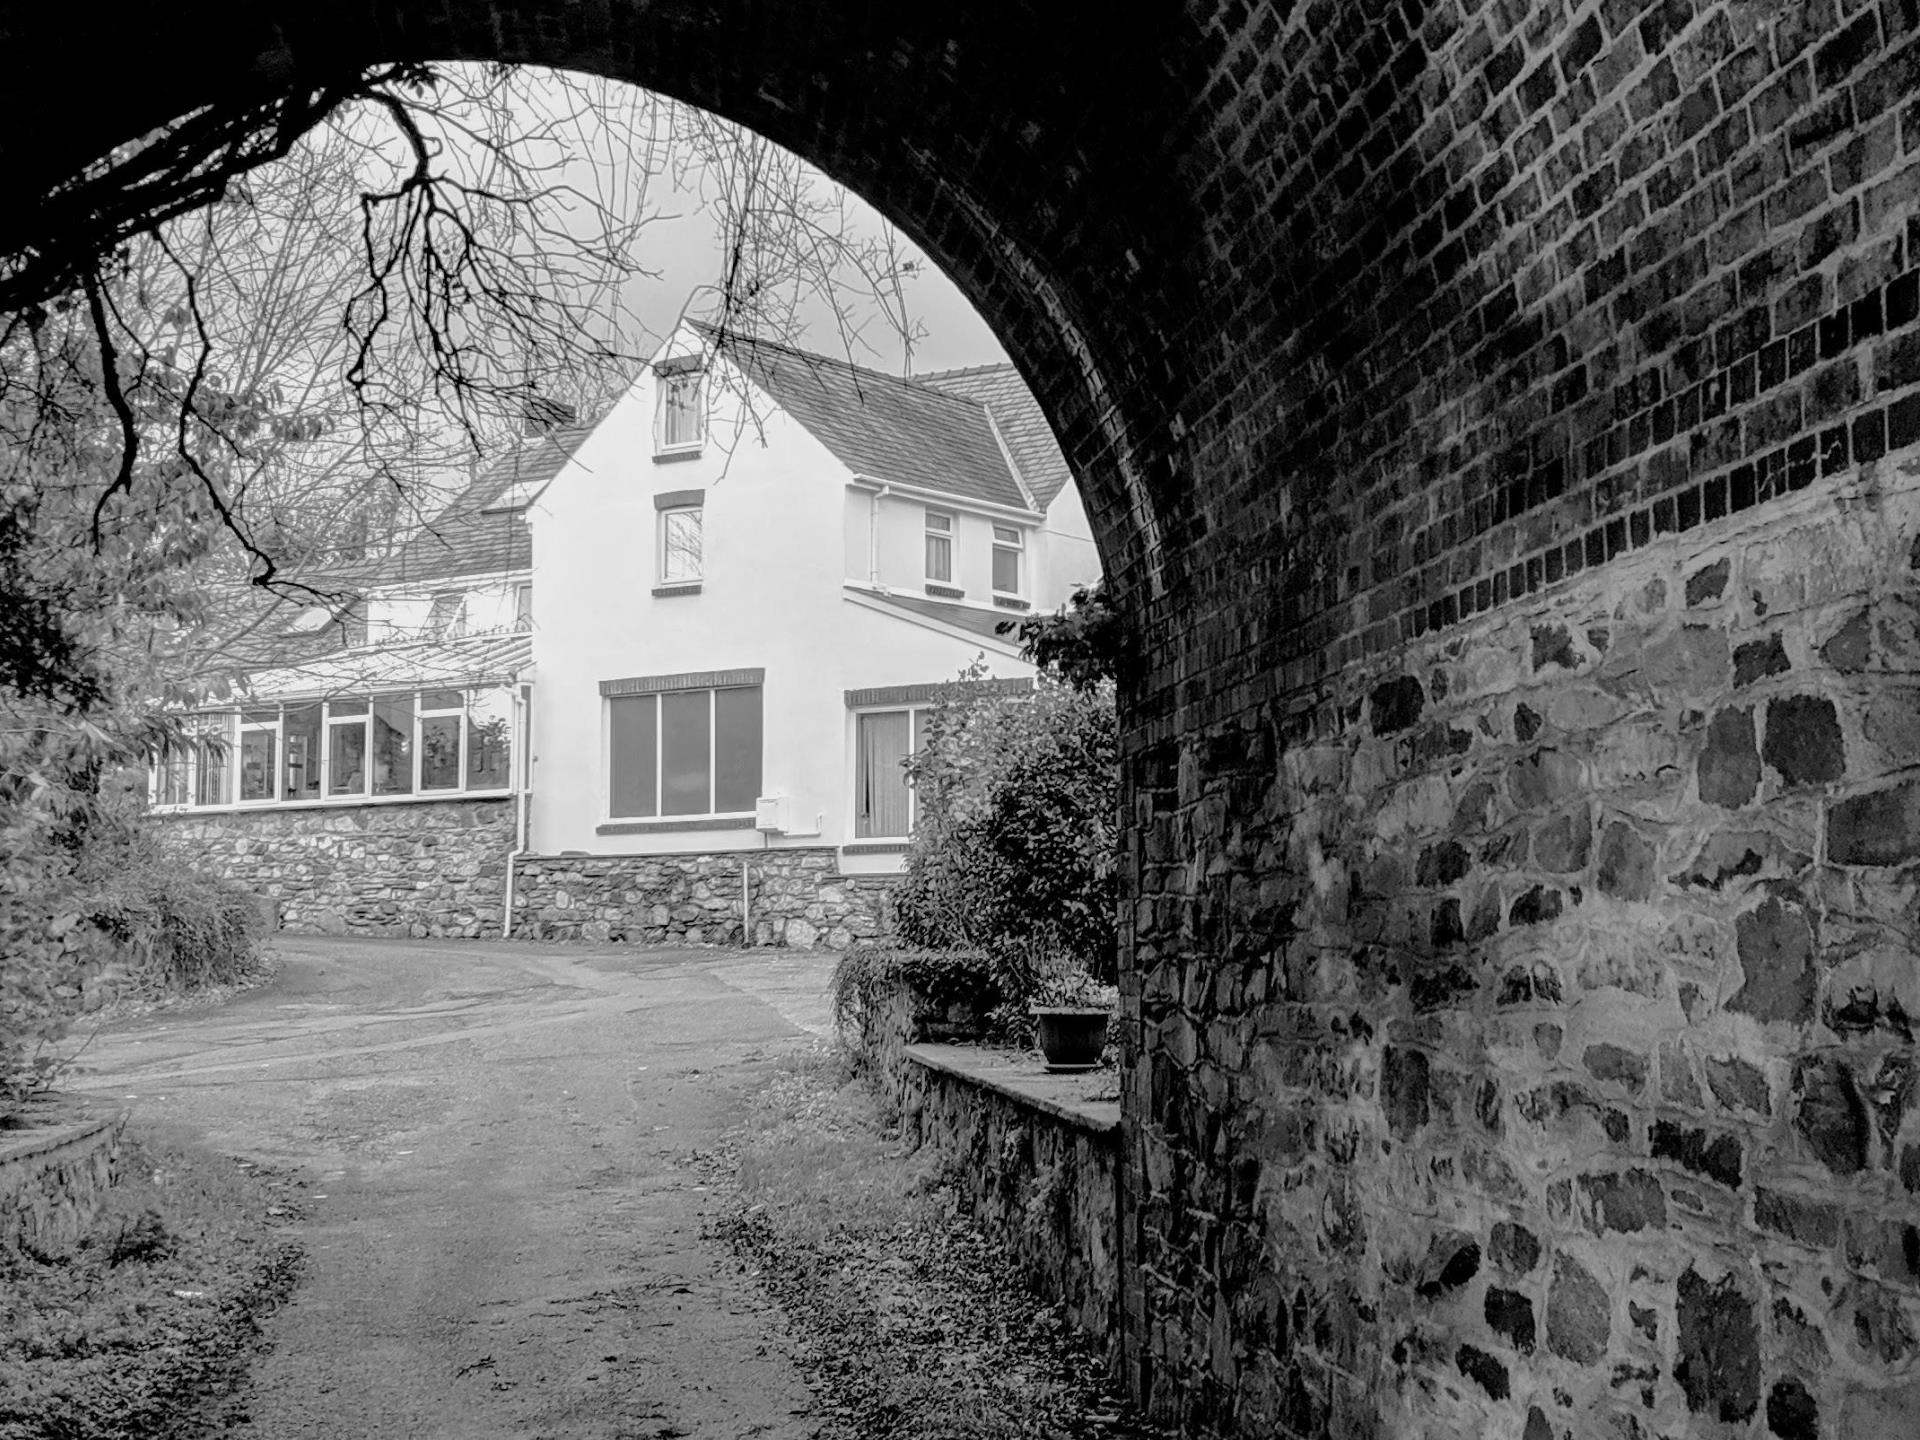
141	1329
906	1320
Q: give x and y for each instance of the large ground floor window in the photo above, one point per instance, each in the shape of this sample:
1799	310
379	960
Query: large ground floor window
692	753
410	742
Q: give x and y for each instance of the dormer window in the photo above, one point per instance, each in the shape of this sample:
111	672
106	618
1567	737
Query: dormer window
680	423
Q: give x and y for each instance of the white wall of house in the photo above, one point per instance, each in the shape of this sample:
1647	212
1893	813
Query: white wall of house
777	533
1067	556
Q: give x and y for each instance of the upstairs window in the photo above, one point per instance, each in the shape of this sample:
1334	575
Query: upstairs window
681	422
447	618
940	546
680	546
523	607
1007	545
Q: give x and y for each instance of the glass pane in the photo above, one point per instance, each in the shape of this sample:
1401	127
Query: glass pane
686	740
1006	569
939	558
213	780
347	758
680	399
393	745
938	521
447	619
632	720
488	732
1006	535
301	729
523	607
442	699
736	746
171	781
680	545
338	709
880	805
256	764
440	752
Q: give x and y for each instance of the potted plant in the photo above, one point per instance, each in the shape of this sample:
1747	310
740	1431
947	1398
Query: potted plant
1070	1011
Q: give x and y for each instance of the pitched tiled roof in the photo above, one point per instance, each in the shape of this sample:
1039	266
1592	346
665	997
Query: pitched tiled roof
880	425
1023	424
476	533
984	623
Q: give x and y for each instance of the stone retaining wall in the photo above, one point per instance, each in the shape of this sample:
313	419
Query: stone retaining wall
1038	1163
798	898
1561	1079
421	868
53	1181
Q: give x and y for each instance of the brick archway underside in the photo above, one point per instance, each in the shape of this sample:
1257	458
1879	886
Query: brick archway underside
1499	418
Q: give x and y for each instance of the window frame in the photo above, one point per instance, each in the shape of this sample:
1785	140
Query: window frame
1017	548
915	722
658	815
227	729
672	383
450	623
666	515
943	535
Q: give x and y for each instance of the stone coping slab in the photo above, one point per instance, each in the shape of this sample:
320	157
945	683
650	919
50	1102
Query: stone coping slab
1080	1100
23	1144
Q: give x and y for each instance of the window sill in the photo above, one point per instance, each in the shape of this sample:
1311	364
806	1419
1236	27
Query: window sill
1011	602
674	457
877	847
946	592
671	825
667	592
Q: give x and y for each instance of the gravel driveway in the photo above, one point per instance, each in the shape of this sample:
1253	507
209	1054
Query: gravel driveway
501	1241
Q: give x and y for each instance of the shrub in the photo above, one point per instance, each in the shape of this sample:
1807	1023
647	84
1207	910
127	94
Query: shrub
1013	851
190	930
866	974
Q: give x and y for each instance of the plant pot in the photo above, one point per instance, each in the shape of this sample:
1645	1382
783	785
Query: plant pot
1071	1036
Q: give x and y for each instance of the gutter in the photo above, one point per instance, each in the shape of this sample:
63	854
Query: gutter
948	499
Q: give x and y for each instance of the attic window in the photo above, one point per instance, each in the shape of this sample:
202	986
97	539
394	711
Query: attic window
680	424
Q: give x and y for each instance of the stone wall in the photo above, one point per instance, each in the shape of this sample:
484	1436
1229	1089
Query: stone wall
797	898
1038	1166
1562	1082
53	1180
424	868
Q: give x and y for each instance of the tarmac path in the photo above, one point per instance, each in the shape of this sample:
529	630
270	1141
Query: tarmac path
502	1237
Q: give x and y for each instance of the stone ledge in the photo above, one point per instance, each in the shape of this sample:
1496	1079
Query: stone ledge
54	1177
1065	1097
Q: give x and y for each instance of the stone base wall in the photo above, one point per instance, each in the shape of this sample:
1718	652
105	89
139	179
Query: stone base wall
53	1181
1042	1180
796	898
431	868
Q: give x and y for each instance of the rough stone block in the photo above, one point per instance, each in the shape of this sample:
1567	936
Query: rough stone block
1881	828
1579	1313
1718	1364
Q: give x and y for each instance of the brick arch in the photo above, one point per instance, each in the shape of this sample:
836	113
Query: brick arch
1502	418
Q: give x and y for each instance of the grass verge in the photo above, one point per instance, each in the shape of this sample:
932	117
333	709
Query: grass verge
907	1320
146	1324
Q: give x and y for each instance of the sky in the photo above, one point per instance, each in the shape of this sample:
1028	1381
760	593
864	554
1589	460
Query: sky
680	248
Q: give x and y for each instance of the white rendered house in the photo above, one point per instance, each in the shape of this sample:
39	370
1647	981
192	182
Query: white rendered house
752	574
